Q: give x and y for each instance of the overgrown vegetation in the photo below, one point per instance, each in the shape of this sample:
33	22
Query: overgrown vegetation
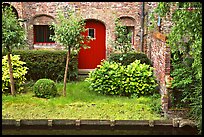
122	43
112	78
185	40
19	72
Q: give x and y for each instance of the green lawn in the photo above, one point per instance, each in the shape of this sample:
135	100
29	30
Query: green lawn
80	103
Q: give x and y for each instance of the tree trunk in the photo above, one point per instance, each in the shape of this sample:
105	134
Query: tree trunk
11	75
66	71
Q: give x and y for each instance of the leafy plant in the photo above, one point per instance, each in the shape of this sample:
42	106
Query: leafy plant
45	88
185	40
68	33
45	62
155	104
12	37
129	57
139	79
19	72
122	42
112	78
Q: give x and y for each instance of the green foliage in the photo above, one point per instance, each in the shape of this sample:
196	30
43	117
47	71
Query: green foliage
112	78
123	38
127	58
107	78
183	83
13	34
45	88
69	33
19	72
48	64
185	40
155	104
68	30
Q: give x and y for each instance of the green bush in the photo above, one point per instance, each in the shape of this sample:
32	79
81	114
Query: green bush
156	105
112	78
48	64
19	72
107	78
45	88
127	58
139	79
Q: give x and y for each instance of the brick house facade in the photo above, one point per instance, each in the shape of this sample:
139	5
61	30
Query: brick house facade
43	13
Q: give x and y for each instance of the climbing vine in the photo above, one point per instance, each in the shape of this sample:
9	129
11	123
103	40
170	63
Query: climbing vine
123	38
185	41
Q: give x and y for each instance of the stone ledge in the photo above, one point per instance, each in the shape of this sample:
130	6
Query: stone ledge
176	122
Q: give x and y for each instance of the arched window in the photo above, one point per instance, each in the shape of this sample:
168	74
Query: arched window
13	9
41	29
129	22
42	34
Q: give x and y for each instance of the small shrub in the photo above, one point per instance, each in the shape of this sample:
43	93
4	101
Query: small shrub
107	79
45	88
156	105
112	78
19	72
139	79
127	58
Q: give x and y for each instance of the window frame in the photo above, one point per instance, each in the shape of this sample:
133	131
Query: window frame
94	33
46	31
131	29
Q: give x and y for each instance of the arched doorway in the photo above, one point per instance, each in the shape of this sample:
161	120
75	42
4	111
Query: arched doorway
90	58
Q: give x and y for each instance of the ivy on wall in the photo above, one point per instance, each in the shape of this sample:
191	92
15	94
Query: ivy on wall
185	41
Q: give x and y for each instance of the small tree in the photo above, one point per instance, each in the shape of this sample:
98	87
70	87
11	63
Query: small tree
12	37
69	33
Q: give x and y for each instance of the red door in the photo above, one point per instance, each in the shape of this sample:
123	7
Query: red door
90	58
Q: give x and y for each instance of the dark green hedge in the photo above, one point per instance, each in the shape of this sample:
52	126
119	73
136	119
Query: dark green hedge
127	58
48	64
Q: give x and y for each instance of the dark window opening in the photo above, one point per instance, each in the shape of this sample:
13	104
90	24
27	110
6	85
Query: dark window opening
127	33
42	34
130	31
91	33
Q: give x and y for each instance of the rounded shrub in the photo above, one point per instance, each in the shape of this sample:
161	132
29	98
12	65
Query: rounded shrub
112	78
45	88
107	78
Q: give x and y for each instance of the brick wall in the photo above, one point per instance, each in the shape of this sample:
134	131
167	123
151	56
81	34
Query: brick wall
106	12
159	52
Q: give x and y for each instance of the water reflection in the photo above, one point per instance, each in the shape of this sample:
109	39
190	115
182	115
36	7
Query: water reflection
97	130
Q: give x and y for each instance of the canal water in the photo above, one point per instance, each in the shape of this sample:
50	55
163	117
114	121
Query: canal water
100	130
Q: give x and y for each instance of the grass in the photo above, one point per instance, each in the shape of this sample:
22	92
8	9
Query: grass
80	103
